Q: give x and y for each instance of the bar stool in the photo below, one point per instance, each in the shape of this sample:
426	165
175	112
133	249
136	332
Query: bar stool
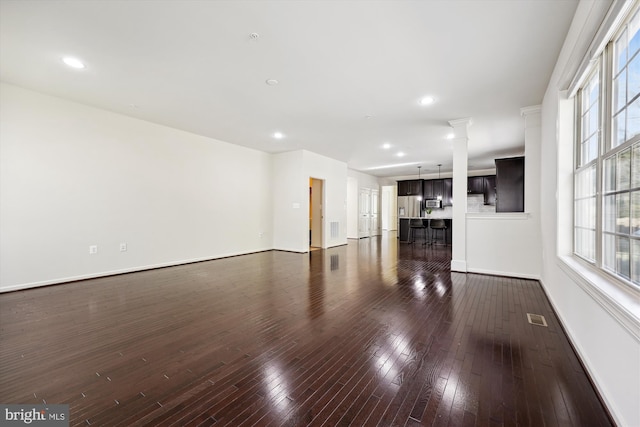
438	224
417	224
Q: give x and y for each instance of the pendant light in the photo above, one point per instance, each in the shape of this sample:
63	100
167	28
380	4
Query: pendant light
419	196
439	195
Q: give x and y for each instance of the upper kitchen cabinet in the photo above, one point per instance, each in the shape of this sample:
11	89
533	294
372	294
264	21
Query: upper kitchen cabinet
410	188
438	188
447	193
427	190
475	185
510	184
489	182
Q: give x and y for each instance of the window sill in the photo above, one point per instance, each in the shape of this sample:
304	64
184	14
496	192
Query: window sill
622	303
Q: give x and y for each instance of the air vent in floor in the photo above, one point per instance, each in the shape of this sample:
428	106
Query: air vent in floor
536	319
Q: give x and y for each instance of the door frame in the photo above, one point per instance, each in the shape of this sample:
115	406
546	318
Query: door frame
316	212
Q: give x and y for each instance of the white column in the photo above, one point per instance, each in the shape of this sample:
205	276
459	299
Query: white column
532	177
459	219
532	142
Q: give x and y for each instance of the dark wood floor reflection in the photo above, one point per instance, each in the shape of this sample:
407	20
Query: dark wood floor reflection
371	333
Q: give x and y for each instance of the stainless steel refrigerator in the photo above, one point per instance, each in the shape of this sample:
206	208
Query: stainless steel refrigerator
409	207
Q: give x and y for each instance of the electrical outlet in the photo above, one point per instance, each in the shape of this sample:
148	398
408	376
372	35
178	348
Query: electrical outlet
123	247
93	249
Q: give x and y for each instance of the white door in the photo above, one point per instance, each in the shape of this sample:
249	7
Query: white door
375	217
364	215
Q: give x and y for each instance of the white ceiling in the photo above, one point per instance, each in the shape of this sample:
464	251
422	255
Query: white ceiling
192	65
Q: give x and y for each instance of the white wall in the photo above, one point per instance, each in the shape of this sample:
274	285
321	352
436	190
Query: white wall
73	176
352	207
600	332
334	174
502	244
290	194
509	244
389	208
292	171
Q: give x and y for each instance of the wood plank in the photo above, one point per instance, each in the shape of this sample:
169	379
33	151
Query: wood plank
372	333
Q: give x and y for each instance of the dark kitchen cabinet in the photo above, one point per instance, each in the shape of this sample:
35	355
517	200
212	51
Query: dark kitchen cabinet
510	184
434	188
475	185
403	232
427	190
447	192
410	188
489	189
438	188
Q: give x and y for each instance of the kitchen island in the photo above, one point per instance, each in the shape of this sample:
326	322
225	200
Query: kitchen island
403	228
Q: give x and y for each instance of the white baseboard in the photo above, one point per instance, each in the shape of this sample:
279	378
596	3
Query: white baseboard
459	266
60	280
504	273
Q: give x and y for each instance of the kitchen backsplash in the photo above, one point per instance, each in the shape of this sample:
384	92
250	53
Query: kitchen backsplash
445	212
475	203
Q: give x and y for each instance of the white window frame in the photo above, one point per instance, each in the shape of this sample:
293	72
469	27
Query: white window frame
604	68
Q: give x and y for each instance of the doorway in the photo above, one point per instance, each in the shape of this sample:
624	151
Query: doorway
389	215
316	214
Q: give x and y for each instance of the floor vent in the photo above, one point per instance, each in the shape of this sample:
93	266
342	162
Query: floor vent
536	319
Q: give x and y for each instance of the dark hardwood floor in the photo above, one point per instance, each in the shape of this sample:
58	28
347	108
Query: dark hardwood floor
371	333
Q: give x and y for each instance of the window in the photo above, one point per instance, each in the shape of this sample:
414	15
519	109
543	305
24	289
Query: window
607	172
585	176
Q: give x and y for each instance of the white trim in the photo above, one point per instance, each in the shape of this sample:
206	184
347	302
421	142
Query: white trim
609	26
622	304
586	362
499	215
30	285
459	266
337	244
504	273
533	109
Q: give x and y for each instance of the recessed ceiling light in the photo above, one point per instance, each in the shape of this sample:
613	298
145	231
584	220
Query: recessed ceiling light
451	136
427	100
400	154
278	135
386	145
73	62
272	82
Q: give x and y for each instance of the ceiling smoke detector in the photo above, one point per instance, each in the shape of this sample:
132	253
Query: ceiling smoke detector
254	36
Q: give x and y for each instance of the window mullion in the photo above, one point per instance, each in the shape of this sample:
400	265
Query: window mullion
606	112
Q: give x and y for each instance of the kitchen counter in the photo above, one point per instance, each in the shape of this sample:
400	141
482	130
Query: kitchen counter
403	227
426	217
